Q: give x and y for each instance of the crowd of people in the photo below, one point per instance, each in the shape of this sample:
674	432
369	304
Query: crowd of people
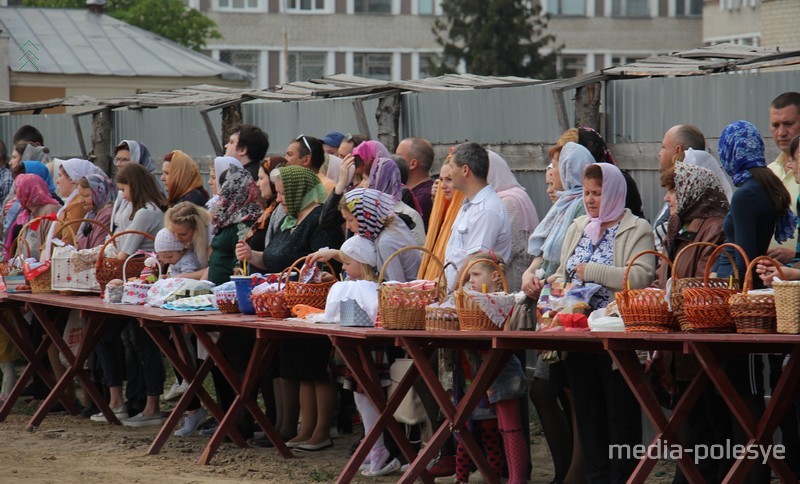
348	200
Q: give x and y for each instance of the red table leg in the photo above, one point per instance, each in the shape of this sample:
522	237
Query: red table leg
455	417
15	327
179	357
757	433
359	361
666	430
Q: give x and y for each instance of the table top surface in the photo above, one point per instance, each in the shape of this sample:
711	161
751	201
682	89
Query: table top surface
92	303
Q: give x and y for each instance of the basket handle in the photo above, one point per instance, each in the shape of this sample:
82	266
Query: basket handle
442	281
748	278
702	244
125	266
63	225
22	231
716	253
294	266
113	238
465	274
625	287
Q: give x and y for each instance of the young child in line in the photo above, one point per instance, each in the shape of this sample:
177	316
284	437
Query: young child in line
503	394
174	255
359	259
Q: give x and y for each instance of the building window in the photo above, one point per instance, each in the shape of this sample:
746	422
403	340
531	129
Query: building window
246	60
736	4
372	6
375	66
630	8
566	7
571	65
685	8
426	7
305	5
425	63
620	60
307	65
238	4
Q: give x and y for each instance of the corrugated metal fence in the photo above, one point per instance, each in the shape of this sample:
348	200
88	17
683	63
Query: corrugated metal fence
520	122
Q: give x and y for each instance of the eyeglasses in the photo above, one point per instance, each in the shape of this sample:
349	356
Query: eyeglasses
305	141
118	161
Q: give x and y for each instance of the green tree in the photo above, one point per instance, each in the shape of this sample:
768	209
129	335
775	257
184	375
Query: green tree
495	38
171	19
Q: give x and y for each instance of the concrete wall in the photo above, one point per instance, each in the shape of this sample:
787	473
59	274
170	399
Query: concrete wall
723	25
779	24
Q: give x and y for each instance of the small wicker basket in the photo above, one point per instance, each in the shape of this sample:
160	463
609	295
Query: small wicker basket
402	308
441	319
787	306
310	294
645	310
109	268
41	284
271	304
708	308
227	302
470	315
679	284
754	313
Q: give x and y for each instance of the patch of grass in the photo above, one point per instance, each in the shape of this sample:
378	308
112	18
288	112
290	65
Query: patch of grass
322	475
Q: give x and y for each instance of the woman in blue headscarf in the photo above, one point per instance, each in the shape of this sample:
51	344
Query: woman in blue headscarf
759	212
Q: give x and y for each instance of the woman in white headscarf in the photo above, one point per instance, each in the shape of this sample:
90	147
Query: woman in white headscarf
69	174
221	165
521	213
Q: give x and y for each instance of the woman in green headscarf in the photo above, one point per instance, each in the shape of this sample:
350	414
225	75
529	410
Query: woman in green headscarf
303	361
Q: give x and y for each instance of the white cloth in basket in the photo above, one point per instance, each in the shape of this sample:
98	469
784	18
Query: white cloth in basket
365	293
496	305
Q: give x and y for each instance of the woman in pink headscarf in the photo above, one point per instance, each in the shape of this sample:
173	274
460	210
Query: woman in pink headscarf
521	213
366	153
596	250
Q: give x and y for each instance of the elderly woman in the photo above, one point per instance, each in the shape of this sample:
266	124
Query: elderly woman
97	193
545	245
302	360
69	174
181	177
596	249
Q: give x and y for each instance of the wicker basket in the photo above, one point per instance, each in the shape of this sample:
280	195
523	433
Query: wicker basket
271	304
62	286
402	308
441	319
135	292
227	302
41	284
470	315
645	310
707	308
314	295
787	306
679	284
754	313
109	268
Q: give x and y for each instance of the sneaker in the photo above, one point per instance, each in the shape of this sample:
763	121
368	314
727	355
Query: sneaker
191	422
209	432
175	391
142	420
392	466
120	412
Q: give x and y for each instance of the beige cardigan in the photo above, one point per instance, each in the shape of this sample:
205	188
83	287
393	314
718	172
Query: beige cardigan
633	236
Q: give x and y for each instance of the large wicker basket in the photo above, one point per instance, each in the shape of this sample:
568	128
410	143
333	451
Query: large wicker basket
470	315
402	308
645	310
679	284
707	308
109	268
310	294
787	306
754	313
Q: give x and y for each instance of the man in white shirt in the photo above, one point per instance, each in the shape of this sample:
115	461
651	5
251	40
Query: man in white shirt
784	124
482	223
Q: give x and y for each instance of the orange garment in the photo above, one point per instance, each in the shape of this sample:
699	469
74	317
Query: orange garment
184	176
302	310
73	211
327	183
443	214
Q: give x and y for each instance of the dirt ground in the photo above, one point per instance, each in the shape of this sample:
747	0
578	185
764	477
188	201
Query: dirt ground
68	450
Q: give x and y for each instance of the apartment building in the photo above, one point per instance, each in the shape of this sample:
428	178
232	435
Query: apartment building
289	40
765	23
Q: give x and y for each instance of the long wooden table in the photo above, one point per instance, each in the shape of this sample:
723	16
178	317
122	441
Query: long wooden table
98	316
353	344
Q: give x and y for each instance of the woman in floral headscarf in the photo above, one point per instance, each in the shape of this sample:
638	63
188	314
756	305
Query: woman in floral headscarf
97	193
231	218
35	200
